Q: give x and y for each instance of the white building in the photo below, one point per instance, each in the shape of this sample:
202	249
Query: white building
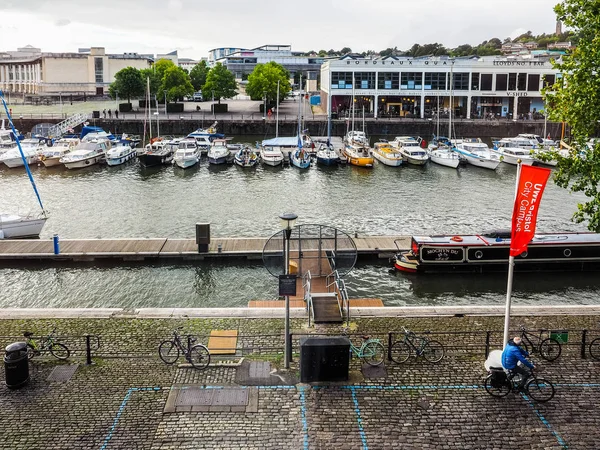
405	86
29	71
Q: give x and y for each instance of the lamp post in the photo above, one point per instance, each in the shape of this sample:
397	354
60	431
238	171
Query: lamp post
288	220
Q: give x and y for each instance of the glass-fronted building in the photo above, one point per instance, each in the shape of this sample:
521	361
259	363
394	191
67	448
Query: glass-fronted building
473	87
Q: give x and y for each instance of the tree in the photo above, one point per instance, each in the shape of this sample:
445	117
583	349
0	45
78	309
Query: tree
345	50
263	82
128	83
176	83
198	75
575	99
322	53
220	83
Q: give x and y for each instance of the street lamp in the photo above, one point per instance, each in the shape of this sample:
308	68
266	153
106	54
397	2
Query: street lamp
288	221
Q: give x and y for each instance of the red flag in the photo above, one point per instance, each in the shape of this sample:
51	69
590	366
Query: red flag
532	182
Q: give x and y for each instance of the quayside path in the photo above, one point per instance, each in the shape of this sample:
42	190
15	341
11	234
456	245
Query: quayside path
129	399
165	248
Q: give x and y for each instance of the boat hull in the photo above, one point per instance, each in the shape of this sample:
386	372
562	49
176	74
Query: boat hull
155	160
388	161
86	162
18	161
442	161
328	161
482	162
185	163
51	162
120	160
21	228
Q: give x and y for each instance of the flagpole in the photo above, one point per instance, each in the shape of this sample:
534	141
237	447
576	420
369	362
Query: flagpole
511	266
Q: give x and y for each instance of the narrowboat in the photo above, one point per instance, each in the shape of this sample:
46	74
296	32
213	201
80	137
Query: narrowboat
489	252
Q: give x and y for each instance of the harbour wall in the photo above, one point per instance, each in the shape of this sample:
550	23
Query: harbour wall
235	126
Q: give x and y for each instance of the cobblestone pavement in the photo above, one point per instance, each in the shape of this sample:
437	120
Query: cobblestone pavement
119	401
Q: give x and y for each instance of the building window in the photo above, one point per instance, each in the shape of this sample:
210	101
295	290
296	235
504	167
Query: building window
435	81
522	82
533	82
99	70
388	80
548	79
341	80
411	80
512	81
364	80
501	82
460	81
475	81
486	81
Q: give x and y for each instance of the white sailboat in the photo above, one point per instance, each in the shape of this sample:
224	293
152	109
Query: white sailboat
440	150
16	225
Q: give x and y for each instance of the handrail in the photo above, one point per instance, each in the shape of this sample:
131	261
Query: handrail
306	285
340	291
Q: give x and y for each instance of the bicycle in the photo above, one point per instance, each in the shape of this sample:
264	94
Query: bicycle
46	344
499	384
371	351
432	351
170	350
548	348
595	348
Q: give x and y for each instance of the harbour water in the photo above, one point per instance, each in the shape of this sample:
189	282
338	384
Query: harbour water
130	201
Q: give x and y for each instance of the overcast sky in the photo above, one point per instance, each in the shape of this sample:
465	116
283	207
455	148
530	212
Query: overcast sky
195	27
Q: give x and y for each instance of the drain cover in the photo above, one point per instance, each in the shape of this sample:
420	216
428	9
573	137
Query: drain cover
231	397
209	397
62	373
260	369
195	397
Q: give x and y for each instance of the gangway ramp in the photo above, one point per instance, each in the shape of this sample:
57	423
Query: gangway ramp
67	125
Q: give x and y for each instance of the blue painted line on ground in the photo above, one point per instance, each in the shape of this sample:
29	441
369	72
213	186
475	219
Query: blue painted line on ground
558	437
577	385
120	411
361	430
416	387
303	413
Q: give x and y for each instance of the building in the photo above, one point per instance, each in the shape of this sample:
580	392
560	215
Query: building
471	87
242	62
172	56
30	71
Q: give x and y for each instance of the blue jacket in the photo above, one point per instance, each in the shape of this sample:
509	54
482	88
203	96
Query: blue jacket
512	354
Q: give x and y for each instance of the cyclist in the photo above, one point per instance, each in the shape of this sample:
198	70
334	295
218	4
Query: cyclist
512	355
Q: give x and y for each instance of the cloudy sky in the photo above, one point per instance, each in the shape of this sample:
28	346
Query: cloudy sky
194	27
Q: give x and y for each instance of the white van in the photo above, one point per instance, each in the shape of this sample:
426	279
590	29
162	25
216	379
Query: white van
198	96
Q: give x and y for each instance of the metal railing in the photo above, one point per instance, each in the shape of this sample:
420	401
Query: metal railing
306	284
335	282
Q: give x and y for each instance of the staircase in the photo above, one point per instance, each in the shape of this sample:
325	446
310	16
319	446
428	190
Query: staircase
61	128
326	308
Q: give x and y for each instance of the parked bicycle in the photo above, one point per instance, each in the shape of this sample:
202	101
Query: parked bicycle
548	347
499	384
197	355
432	351
46	344
371	351
595	348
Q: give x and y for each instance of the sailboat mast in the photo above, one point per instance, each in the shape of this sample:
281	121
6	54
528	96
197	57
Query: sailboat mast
438	118
352	103
450	115
157	117
329	114
148	109
277	113
300	110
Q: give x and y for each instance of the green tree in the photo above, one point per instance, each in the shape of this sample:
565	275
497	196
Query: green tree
322	53
128	83
345	50
263	82
198	75
220	83
155	82
575	99
176	83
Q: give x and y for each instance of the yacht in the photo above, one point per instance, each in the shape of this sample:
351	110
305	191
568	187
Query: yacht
187	155
440	152
157	153
13	226
356	137
411	150
271	155
120	154
513	155
87	153
31	151
386	154
50	156
8	140
219	153
327	155
477	153
358	155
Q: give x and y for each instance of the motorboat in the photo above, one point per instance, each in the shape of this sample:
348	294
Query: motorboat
356	137
90	133
477	153
271	155
14	226
489	252
86	154
31	152
8	140
246	157
209	133
187	155
120	154
327	155
387	155
513	155
358	155
219	153
444	156
50	156
157	153
203	142
300	158
411	150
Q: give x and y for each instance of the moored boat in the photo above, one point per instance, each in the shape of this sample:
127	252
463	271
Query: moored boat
13	226
119	154
271	155
157	153
411	150
489	253
50	156
187	155
513	155
246	157
387	155
327	155
358	155
31	151
300	158
219	153
86	154
477	153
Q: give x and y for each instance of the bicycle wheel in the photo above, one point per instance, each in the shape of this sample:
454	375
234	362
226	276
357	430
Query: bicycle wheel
168	352
500	390
30	351
433	351
595	348
539	389
400	352
59	351
550	349
199	356
373	353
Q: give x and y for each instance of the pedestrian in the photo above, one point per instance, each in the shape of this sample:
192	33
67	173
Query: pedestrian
116	113
104	113
109	114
